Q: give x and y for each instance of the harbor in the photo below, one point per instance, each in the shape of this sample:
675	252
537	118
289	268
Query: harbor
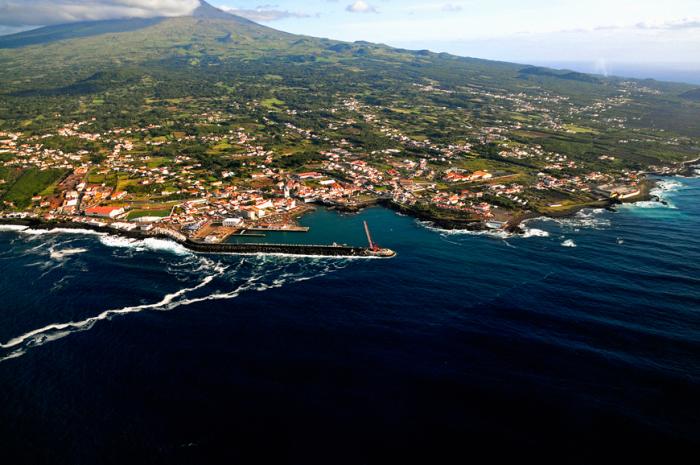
299	240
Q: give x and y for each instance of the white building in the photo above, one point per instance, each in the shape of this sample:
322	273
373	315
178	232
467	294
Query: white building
232	222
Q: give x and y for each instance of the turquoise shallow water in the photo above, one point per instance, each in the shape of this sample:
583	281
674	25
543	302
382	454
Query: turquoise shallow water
586	331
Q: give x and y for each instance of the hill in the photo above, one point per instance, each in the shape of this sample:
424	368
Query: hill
199	52
692	95
202	87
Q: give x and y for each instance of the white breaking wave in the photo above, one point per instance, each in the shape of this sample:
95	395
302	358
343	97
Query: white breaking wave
87	323
652	204
265	273
661	191
497	234
666	186
165	245
534	232
56	331
157	245
118	241
36	232
61	254
568	243
293	255
12	227
493	233
590	218
107	239
42	232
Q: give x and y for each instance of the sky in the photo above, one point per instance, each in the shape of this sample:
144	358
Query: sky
599	34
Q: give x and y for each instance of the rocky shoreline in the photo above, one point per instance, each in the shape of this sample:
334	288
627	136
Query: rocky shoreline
513	225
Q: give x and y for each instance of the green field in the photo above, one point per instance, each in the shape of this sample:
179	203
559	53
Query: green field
144	213
186	87
30	183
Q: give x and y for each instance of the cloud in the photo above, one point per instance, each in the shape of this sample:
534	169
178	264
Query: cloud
673	25
450	8
685	23
360	6
265	13
46	12
5	30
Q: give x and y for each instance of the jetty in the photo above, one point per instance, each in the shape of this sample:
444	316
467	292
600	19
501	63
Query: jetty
334	250
289	249
283	228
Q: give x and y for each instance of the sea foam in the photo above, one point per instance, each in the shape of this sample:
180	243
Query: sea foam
153	244
494	233
61	254
250	274
12	228
534	232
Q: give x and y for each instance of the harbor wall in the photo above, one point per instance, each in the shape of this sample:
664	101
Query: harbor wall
226	248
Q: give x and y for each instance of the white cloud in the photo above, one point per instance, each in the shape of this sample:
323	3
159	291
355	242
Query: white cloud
685	23
360	6
451	8
265	13
45	12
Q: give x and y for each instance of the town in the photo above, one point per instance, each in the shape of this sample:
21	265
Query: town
220	174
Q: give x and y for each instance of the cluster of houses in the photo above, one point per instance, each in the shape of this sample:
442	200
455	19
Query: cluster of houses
346	174
240	207
464	201
464	176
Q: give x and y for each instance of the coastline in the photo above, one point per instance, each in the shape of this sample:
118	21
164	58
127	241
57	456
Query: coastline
514	225
417	213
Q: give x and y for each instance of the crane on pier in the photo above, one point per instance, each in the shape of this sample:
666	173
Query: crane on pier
372	246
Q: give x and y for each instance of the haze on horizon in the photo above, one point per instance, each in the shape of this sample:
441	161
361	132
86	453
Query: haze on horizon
623	36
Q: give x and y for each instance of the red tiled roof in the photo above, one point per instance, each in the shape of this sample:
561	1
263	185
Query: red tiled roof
101	210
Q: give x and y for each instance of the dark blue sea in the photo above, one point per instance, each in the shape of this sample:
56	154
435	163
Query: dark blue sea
577	343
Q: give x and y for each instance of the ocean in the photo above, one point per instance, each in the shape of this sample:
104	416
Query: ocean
577	342
687	74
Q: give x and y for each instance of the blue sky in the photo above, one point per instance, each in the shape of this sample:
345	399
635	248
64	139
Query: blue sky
600	32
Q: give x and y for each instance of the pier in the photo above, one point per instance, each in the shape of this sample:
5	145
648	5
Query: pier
289	249
282	228
205	247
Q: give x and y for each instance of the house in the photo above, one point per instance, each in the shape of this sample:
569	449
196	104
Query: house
263	204
249	213
476	175
454	176
310	175
104	212
232	222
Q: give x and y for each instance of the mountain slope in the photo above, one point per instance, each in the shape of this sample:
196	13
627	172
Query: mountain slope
211	99
50	34
211	51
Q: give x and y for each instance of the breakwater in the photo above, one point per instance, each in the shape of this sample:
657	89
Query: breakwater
289	249
202	247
